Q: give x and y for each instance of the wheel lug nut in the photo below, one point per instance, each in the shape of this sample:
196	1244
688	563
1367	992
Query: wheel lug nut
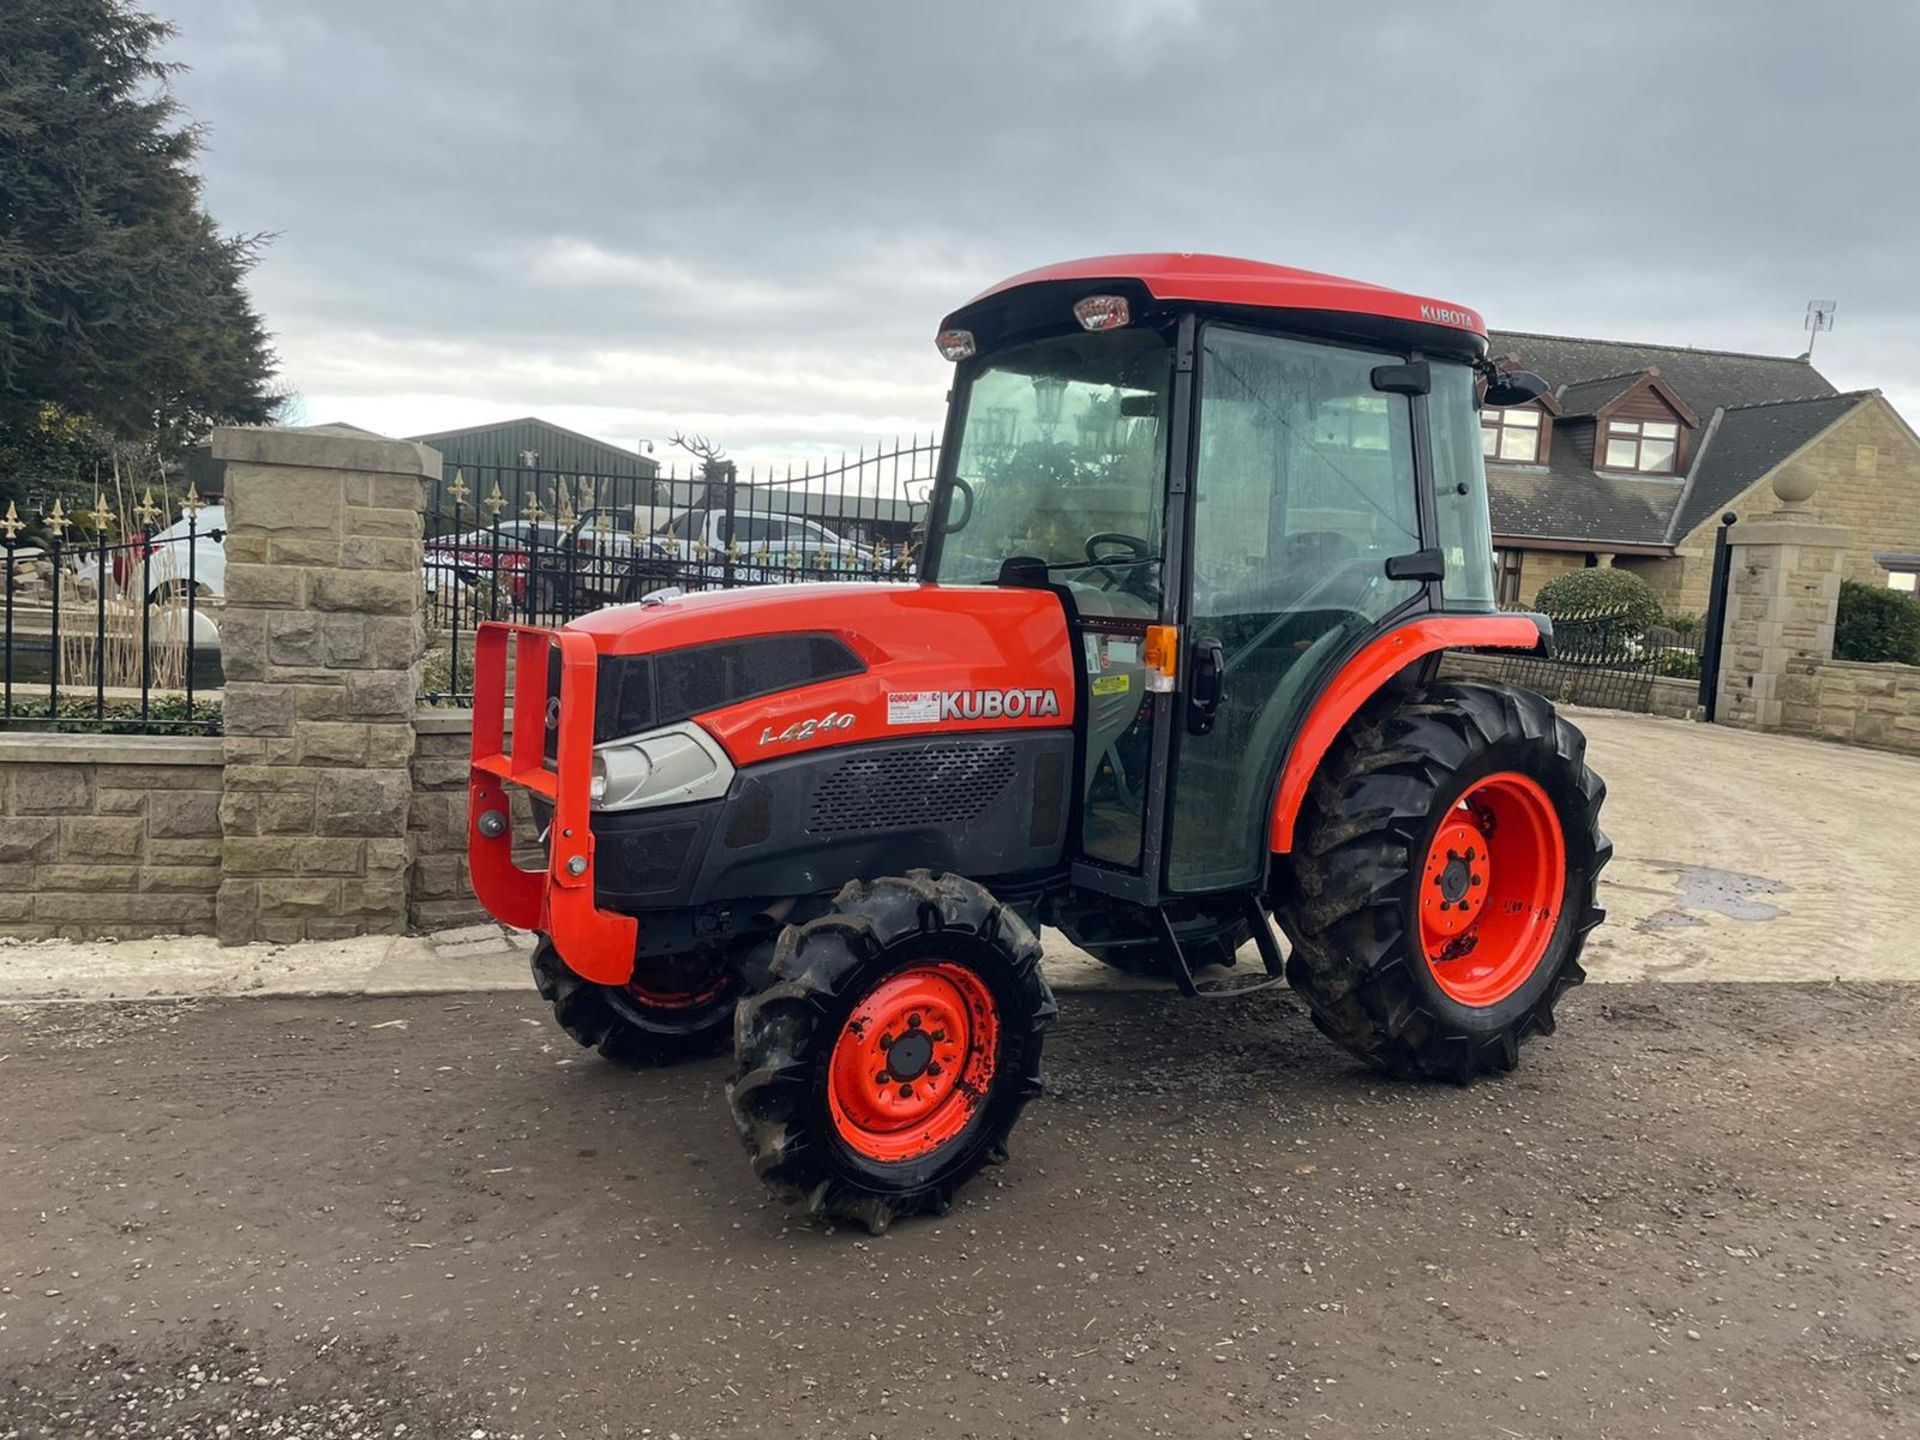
913	1022
886	1042
933	1067
906	1092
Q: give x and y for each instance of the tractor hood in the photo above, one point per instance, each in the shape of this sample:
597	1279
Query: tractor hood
775	670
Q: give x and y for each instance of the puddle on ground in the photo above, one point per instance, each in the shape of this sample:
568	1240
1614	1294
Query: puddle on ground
1724	892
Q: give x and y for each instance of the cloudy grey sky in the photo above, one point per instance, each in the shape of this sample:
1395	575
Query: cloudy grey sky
745	217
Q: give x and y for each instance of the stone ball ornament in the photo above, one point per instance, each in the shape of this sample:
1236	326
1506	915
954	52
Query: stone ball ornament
1794	485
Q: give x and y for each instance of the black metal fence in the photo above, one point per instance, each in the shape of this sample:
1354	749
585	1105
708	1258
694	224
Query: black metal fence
105	630
1602	658
518	542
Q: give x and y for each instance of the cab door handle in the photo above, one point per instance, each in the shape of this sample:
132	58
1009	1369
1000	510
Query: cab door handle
1206	685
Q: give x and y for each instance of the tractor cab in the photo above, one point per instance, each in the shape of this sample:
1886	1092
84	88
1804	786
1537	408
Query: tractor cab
1233	475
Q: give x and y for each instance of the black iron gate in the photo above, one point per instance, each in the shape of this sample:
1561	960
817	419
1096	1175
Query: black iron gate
1602	659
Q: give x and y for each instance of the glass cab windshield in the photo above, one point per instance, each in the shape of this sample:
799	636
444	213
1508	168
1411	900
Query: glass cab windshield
1062	455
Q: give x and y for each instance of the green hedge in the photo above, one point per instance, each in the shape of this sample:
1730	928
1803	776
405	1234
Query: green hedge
1876	624
166	715
1602	590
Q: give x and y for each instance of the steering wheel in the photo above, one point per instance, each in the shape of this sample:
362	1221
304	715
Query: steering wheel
1122	572
1141	549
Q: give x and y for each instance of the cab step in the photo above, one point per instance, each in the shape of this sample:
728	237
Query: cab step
1260	921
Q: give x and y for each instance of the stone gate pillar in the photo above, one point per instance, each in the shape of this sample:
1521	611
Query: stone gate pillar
1782	596
321	639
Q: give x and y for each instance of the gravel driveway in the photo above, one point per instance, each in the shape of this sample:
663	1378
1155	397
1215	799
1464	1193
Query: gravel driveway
1691	1213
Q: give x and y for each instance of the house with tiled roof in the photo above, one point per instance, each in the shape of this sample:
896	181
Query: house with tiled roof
1636	451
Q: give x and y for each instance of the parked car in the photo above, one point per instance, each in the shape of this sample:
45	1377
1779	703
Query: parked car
196	555
480	557
771	545
185	554
600	561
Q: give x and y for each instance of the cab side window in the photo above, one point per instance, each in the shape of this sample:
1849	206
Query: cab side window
1304	489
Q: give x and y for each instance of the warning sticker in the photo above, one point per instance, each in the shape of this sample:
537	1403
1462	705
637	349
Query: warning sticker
914	707
1112	684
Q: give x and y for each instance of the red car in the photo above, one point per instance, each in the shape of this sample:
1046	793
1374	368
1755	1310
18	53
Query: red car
480	557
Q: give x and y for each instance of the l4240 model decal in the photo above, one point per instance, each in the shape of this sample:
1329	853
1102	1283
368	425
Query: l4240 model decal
807	729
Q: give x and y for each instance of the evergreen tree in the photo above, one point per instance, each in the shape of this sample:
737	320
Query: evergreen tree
123	311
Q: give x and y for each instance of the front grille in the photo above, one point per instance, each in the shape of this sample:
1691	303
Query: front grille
654	859
933	785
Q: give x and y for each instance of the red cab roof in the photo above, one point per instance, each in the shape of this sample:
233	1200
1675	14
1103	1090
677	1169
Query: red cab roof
1224	280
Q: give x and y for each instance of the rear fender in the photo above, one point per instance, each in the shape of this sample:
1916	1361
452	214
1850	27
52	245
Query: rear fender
1362	677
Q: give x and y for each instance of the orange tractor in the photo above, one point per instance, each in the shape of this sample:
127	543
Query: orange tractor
1202	532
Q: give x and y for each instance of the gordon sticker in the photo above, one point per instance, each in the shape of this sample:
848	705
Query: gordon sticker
930	707
914	707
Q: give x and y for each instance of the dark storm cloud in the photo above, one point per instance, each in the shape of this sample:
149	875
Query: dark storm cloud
749	216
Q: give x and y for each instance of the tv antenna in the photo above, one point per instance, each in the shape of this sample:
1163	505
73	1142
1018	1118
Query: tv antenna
1819	317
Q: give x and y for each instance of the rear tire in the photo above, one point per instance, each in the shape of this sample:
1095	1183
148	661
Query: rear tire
894	1050
662	1018
1443	880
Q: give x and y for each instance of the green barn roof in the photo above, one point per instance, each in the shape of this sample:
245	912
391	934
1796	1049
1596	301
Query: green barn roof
558	448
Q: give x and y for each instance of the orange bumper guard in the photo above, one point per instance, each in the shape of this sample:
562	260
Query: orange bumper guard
596	944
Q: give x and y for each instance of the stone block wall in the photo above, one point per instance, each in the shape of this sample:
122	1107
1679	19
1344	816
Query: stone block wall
108	836
321	641
1782	594
440	895
1876	705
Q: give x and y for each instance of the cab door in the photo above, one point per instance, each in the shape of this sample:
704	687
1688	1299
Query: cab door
1303	487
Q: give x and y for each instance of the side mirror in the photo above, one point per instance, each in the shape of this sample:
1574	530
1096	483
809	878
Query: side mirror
1515	387
1420	565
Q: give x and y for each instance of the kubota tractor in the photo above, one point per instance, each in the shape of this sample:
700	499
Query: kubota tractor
1202	531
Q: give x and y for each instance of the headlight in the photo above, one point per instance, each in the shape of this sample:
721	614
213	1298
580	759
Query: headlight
673	766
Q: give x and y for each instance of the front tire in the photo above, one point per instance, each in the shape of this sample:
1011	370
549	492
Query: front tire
1444	880
672	1010
894	1050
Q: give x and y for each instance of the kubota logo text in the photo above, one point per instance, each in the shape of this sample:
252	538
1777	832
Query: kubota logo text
930	707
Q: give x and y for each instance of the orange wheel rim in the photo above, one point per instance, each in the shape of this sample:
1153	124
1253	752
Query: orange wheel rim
913	1062
677	999
1491	889
679	987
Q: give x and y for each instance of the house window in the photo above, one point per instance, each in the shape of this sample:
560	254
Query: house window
1510	435
1901	580
1506	577
1650	446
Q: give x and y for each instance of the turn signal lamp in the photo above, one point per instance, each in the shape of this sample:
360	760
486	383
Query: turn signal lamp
1162	658
1102	312
955	344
